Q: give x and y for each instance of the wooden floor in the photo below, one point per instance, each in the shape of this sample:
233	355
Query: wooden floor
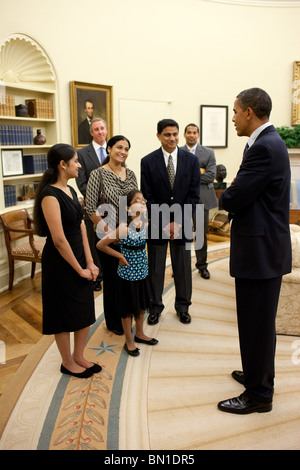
21	321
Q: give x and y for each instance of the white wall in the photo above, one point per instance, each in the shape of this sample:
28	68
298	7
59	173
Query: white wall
189	53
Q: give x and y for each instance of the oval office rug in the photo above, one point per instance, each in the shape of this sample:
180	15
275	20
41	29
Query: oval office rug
167	397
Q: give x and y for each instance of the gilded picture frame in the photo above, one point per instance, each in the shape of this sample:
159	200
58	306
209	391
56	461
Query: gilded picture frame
89	101
296	94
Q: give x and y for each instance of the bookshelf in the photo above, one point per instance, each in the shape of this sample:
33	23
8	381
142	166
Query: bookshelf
17	134
26	73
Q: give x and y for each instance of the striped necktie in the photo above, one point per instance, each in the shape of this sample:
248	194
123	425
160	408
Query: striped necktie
171	171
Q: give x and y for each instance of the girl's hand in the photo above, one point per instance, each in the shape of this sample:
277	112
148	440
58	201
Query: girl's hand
94	270
123	261
86	274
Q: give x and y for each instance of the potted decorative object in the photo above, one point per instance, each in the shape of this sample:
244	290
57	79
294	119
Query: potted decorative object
39	138
290	136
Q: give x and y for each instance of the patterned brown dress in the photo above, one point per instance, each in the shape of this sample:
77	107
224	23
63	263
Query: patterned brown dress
113	188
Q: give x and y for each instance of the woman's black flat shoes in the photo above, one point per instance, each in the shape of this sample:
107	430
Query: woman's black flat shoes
150	342
82	375
134	352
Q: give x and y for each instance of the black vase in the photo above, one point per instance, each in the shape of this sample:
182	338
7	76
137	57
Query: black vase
21	110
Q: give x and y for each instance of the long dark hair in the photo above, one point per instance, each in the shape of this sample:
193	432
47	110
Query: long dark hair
56	154
112	141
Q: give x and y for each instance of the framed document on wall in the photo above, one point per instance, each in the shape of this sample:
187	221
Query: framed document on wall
12	162
214	126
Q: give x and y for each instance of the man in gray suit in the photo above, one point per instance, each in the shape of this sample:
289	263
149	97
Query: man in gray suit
207	163
90	158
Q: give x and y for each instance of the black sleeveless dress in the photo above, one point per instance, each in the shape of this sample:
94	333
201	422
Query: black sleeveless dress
68	299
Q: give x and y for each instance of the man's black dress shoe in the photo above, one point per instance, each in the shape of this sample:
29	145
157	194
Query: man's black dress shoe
153	318
150	342
238	375
134	352
204	273
184	317
81	375
243	405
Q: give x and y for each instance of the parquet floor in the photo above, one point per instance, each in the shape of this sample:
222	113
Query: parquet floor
21	321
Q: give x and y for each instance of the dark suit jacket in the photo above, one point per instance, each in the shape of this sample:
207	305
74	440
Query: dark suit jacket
207	160
89	161
84	135
258	202
156	188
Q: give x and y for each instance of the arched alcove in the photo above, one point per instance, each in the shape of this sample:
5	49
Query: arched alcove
23	60
28	81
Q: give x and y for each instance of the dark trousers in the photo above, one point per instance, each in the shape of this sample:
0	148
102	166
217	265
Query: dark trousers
181	265
110	295
201	255
257	302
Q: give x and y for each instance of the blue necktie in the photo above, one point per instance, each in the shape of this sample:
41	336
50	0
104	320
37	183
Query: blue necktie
246	148
102	155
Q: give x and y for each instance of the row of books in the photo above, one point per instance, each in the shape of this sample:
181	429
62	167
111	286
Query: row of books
33	164
7	105
20	192
10	195
16	135
40	108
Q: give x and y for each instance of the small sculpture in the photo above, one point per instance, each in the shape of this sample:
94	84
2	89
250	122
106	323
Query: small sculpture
220	176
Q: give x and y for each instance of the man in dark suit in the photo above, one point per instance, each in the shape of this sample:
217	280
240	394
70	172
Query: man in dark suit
207	163
260	250
170	176
90	158
84	135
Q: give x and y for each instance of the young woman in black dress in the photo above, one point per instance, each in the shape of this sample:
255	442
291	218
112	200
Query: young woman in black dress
67	264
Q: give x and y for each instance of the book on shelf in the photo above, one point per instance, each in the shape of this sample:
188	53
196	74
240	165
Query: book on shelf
16	135
10	195
40	108
27	191
35	163
7	105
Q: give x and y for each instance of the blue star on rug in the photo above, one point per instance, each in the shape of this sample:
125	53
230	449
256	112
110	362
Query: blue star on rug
103	348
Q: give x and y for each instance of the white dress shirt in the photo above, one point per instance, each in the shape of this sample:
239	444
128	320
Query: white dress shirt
174	157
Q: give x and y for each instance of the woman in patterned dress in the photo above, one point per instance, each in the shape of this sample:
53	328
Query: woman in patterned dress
112	180
132	286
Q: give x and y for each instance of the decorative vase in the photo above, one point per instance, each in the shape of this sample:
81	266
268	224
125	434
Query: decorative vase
39	138
21	110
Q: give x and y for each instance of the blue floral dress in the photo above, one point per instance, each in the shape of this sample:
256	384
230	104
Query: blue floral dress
133	285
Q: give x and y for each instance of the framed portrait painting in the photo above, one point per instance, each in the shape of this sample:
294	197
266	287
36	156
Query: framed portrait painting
296	94
89	101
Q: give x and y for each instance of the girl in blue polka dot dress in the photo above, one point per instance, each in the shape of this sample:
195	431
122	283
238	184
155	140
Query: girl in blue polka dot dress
132	288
